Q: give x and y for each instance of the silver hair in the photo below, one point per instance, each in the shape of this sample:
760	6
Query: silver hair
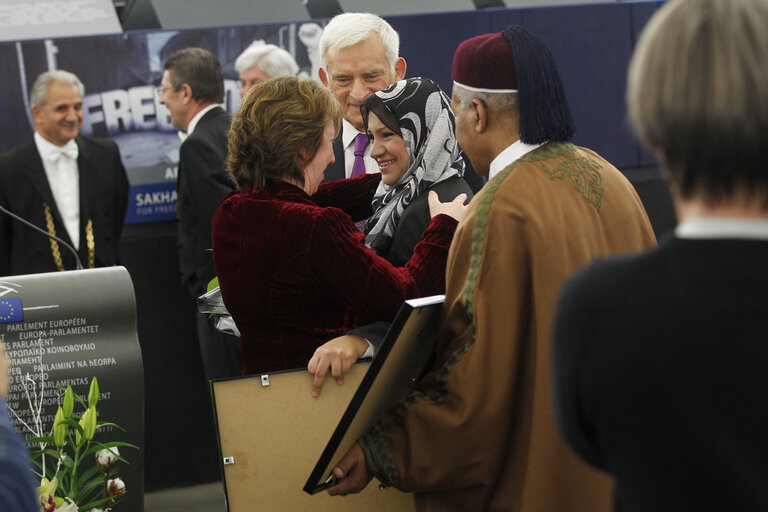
697	93
39	94
502	103
351	28
271	59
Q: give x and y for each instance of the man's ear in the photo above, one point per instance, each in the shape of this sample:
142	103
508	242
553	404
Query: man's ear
186	93
479	115
400	66
323	76
36	114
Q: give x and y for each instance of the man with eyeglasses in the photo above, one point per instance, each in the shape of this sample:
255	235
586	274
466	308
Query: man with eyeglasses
192	88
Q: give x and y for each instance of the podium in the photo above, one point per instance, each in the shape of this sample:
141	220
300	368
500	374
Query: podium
65	328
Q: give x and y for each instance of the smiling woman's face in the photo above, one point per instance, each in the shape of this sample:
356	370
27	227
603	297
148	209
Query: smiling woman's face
388	149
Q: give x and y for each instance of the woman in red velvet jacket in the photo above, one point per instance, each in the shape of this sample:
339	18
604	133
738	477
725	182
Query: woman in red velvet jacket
293	267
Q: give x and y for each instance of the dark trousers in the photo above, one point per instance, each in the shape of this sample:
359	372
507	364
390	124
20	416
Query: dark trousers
220	351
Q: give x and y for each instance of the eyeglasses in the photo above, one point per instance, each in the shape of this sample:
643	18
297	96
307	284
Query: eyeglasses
161	91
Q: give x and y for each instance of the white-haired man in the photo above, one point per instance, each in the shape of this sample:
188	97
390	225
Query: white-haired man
72	186
360	54
261	61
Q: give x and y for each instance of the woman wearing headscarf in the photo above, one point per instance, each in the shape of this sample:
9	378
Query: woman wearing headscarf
293	268
413	138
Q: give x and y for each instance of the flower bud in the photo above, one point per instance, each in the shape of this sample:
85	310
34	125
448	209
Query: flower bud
93	393
115	487
59	429
48	486
69	402
107	456
88	424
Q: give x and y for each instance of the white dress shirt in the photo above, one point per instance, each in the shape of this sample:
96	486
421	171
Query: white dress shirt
510	154
722	227
60	164
348	134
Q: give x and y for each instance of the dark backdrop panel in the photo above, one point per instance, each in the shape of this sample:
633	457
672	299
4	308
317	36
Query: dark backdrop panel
428	42
180	444
654	192
641	13
592	48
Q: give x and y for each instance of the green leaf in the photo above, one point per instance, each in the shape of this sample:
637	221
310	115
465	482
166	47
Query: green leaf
97	503
212	284
108	424
43	439
80	401
67	462
88	474
100	446
50	451
87	489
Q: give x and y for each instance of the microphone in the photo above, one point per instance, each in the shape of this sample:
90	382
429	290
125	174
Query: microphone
36	228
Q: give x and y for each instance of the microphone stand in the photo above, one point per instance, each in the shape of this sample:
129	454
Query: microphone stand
36	228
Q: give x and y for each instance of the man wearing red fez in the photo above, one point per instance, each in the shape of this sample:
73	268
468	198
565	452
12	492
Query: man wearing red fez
478	432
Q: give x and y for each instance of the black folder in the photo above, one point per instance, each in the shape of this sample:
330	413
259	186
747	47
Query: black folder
401	359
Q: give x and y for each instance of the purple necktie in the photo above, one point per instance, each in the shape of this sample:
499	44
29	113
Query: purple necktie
361	142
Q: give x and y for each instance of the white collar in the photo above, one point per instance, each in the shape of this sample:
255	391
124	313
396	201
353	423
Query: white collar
50	151
348	133
193	123
723	227
512	153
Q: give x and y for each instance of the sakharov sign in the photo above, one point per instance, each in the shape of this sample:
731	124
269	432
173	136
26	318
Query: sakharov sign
63	329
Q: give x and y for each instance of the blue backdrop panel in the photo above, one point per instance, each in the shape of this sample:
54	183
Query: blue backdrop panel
428	42
592	47
641	13
592	44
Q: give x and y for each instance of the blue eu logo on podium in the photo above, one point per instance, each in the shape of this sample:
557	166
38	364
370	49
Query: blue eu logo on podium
10	310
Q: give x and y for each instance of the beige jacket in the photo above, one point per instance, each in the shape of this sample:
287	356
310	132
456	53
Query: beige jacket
478	432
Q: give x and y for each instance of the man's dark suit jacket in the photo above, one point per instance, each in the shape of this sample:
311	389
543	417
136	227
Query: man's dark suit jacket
336	171
203	182
24	188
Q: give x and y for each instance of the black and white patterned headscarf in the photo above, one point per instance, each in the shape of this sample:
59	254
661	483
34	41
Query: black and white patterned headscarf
418	111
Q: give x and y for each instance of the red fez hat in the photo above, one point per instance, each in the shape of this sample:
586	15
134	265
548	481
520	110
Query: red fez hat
516	61
485	62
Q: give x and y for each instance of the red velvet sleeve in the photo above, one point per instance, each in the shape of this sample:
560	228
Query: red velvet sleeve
353	195
370	281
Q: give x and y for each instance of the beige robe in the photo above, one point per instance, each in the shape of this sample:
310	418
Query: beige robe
478	432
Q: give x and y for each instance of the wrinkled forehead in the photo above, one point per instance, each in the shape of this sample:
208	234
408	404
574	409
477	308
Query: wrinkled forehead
62	94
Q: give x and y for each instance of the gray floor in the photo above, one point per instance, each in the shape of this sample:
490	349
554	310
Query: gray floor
199	498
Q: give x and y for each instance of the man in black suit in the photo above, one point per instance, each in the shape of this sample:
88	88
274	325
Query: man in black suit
359	52
192	88
71	186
